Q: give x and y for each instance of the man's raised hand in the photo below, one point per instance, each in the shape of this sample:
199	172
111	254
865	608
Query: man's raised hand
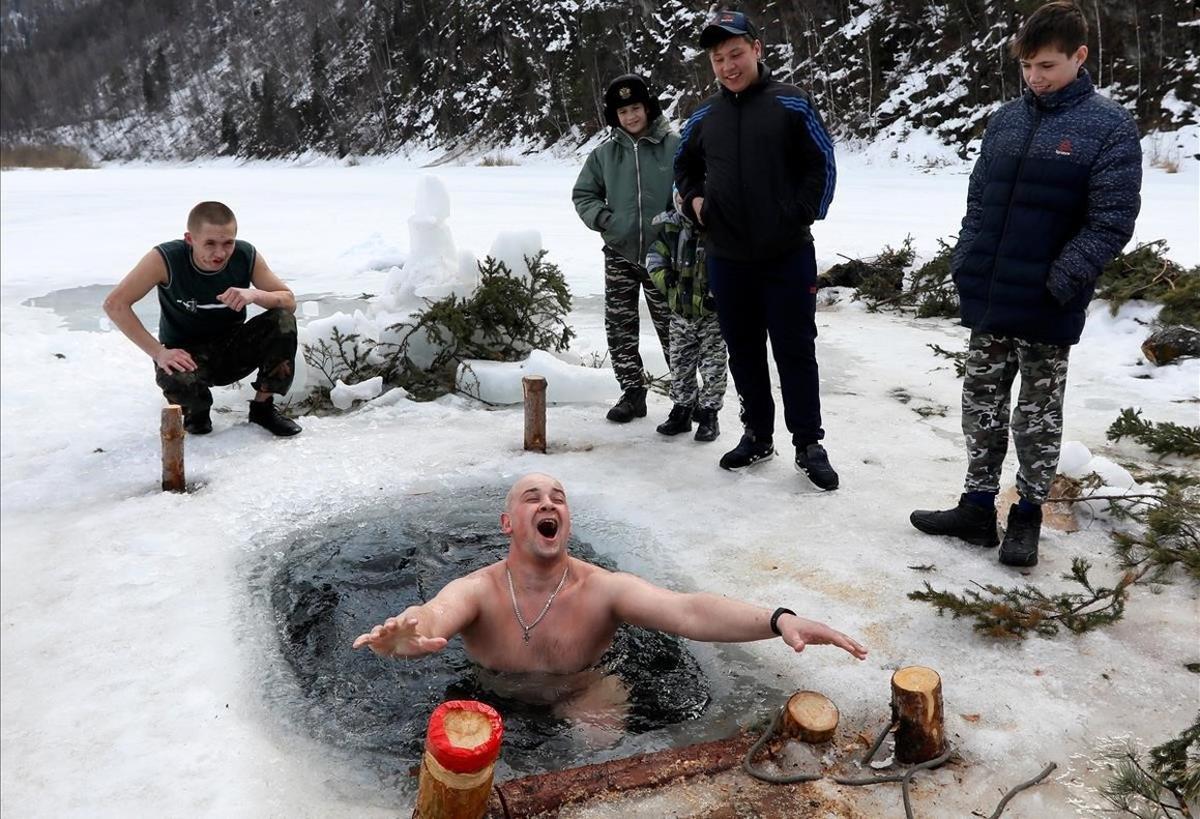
398	637
798	632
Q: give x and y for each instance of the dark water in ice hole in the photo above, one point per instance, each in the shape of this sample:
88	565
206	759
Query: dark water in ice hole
335	584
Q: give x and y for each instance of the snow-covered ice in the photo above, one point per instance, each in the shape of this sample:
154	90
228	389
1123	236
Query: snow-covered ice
134	659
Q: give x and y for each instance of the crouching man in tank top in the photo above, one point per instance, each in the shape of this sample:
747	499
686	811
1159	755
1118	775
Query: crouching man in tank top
205	281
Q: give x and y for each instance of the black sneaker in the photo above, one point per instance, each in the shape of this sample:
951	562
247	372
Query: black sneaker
708	428
968	521
680	420
748	452
266	416
198	423
632	405
813	461
1020	546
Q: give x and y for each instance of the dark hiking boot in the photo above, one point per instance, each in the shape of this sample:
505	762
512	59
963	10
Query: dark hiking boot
748	452
198	423
968	521
813	461
708	428
1020	546
680	420
632	405
266	416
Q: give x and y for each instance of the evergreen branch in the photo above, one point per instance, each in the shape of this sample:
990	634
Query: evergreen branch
1166	438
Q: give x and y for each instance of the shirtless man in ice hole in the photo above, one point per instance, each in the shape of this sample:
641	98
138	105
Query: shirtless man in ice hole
551	616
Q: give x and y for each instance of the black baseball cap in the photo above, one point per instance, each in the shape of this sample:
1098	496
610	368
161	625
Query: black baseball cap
725	24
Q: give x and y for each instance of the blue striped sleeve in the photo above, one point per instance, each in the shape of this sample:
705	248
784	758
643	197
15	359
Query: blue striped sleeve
692	122
821	139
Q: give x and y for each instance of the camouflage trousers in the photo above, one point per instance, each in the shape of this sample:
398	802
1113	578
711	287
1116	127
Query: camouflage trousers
1037	419
622	282
266	343
697	346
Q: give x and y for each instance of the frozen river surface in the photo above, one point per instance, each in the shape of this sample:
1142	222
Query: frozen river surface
141	669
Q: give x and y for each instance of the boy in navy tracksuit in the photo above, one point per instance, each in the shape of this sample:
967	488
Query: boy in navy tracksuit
1053	197
756	168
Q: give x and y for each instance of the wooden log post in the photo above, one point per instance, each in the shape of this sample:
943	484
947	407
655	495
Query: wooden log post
535	412
461	749
172	449
810	717
917	713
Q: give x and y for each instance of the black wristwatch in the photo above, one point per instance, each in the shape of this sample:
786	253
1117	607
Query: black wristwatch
779	612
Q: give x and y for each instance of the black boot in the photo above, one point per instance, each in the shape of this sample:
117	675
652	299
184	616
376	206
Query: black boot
708	428
632	405
1020	546
680	420
969	521
748	452
198	423
266	416
813	461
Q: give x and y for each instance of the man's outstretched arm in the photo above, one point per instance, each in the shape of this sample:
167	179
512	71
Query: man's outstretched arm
710	618
421	630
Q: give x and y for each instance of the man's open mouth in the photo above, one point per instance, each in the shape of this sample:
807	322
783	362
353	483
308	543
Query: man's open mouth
547	527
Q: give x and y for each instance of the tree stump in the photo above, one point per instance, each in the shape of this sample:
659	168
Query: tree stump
917	712
535	412
1170	343
171	432
461	748
810	717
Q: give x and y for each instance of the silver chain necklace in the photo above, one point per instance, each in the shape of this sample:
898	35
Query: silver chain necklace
512	592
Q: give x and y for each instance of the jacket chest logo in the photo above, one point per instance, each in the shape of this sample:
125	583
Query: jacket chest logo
1064	148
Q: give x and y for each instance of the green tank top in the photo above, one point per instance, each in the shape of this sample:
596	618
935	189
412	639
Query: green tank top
189	310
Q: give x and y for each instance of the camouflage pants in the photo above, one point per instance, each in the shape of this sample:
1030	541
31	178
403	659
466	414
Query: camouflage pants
266	343
622	281
696	345
1037	418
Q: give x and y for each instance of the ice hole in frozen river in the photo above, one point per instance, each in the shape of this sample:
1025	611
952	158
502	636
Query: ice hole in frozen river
328	586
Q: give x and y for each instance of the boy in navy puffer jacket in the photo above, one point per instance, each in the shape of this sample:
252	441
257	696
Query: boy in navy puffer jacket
1053	197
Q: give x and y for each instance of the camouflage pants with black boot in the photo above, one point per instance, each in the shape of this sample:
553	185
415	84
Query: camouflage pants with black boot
266	343
1037	418
697	347
623	282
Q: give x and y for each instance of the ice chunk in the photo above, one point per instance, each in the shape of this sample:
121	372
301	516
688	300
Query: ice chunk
1112	474
1073	459
344	395
499	382
310	309
433	200
513	247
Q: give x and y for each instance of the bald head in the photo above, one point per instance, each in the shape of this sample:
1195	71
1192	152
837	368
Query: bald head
534	480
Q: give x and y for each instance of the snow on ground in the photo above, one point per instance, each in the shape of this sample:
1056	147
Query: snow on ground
134	660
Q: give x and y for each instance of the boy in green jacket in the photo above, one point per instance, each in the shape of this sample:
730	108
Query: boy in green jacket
624	184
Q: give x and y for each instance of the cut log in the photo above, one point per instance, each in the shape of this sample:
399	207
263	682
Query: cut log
171	432
1168	344
917	712
535	412
810	717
